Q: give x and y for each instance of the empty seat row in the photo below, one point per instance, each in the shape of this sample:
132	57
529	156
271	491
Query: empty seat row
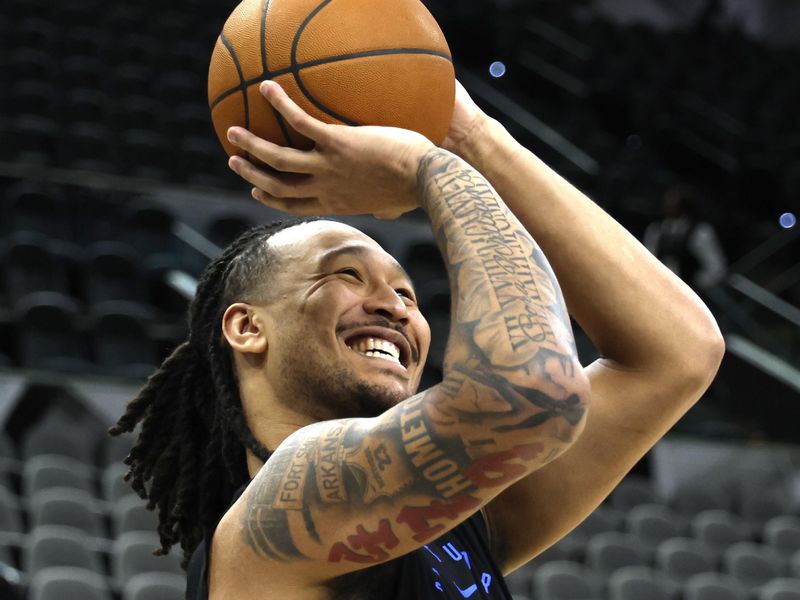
50	335
84	440
565	580
55	471
75	509
47	471
74	583
130	553
148	230
30	263
755	501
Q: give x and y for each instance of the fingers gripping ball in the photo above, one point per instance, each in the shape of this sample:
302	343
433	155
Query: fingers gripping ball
354	62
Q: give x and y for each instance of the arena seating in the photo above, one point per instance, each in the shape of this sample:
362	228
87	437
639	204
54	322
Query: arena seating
110	94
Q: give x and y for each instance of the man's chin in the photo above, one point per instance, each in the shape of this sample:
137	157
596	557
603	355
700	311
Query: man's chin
375	399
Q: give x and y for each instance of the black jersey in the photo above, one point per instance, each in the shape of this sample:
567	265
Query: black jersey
456	565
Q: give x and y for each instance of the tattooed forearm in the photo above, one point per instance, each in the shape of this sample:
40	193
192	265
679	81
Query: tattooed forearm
508	285
511	327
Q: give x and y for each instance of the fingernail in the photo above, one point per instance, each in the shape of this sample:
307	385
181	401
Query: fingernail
233	162
233	135
265	86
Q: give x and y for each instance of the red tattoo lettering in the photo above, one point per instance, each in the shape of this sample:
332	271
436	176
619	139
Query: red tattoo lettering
417	517
369	541
495	469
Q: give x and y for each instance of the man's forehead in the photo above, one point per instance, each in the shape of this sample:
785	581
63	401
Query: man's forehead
315	237
321	241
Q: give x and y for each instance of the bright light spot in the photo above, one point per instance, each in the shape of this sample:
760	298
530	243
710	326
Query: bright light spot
497	69
787	220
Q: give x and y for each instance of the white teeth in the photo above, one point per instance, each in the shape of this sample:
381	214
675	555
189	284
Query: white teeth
378	347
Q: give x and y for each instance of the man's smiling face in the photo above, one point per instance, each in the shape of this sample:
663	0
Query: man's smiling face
347	337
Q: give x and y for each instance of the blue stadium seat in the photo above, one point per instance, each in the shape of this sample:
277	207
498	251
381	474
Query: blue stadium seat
51	470
143	153
68	508
714	586
68	583
753	565
55	434
719	529
111	271
564	580
155	586
57	546
520	582
612	550
85	147
48	334
782	533
602	519
651	524
132	554
781	588
637	583
120	340
31	206
681	558
757	506
130	514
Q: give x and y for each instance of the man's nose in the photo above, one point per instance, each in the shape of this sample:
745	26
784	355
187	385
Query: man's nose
386	302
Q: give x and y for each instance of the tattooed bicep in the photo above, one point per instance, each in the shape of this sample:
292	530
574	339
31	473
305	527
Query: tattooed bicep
342	495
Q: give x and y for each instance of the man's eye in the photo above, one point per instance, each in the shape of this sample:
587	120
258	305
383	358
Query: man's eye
350	271
405	293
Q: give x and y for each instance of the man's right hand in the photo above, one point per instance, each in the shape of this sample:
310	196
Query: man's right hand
350	171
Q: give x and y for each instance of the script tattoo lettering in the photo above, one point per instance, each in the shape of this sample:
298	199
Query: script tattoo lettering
508	313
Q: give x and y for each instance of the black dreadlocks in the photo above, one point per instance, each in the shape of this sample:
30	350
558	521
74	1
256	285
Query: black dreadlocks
189	457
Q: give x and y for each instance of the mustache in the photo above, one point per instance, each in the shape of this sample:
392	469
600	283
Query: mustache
381	322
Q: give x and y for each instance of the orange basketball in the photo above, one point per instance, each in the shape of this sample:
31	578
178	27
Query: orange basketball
357	62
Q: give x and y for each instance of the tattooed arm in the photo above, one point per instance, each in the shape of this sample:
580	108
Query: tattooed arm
341	495
660	345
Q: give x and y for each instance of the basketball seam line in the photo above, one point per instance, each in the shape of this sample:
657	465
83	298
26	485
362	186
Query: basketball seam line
264	69
324	61
241	85
296	72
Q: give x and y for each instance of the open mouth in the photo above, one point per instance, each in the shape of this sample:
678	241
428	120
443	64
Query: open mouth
374	345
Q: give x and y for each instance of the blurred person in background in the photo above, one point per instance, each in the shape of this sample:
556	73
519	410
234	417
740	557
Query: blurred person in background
686	244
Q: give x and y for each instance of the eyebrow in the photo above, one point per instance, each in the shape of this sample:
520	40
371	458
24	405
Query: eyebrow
361	252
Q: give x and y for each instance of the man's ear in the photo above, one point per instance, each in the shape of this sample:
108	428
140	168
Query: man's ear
245	328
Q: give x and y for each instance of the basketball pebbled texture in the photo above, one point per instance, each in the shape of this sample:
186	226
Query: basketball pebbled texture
355	62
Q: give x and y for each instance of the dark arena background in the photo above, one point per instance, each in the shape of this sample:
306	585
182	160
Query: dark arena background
115	194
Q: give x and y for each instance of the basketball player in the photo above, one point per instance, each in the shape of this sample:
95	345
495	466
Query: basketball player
285	442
